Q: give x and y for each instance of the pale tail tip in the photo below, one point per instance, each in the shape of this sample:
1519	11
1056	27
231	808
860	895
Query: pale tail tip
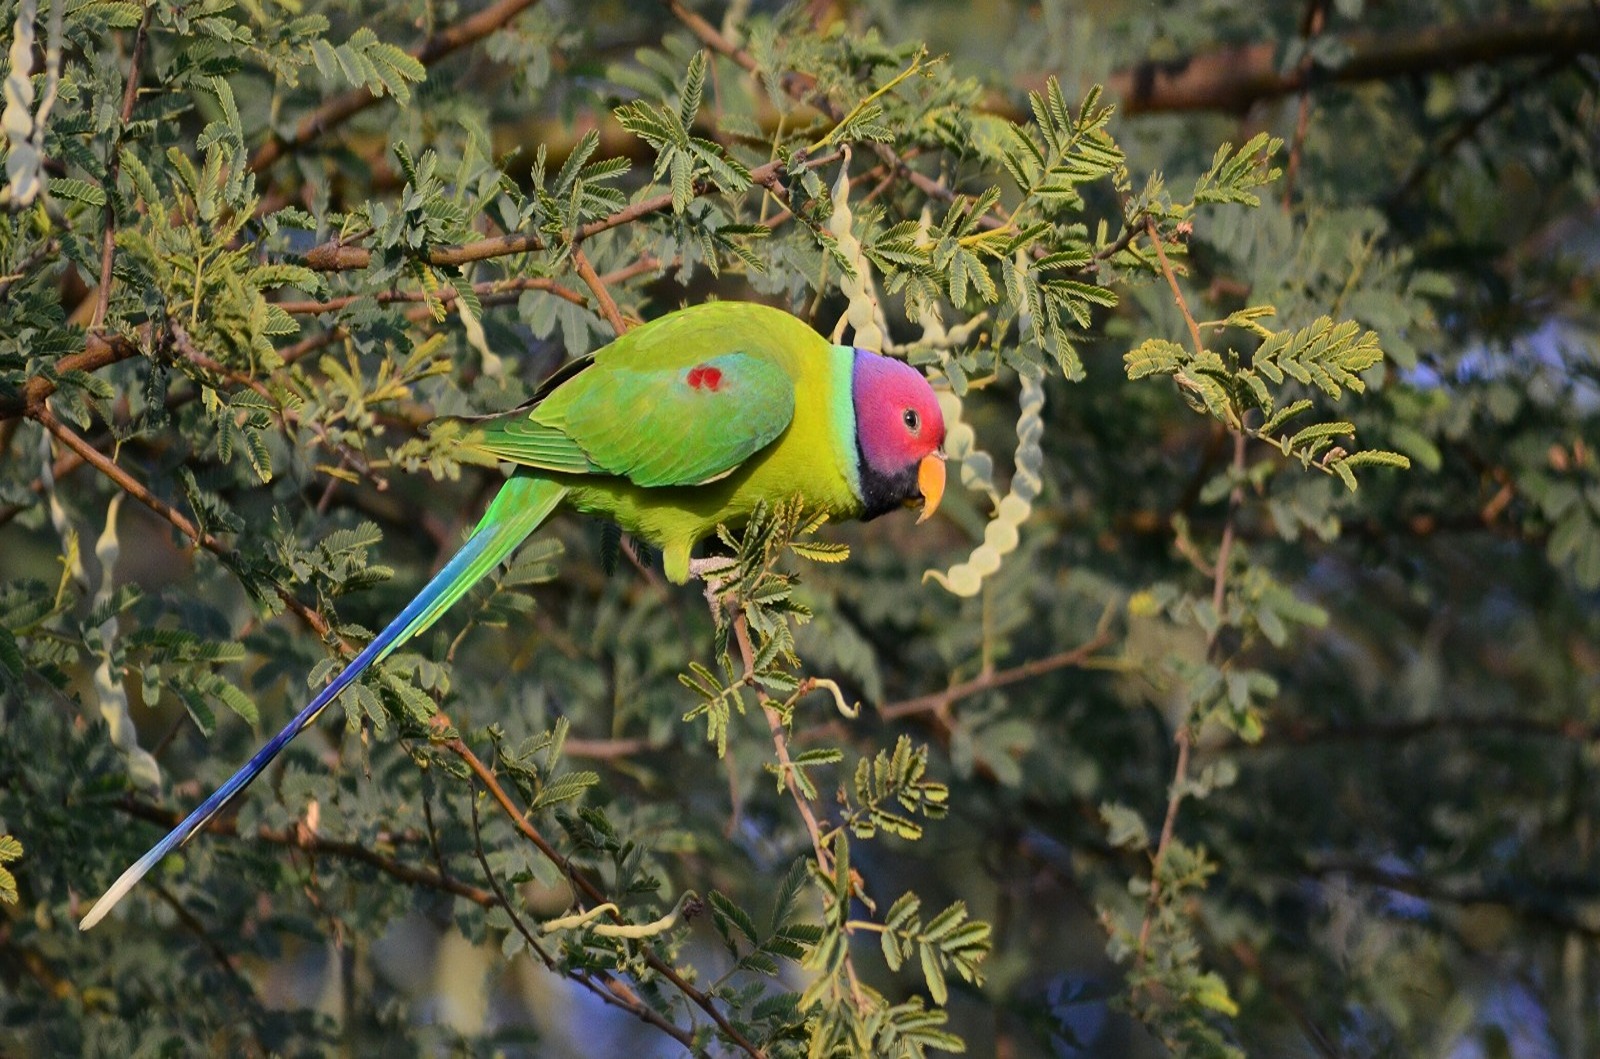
109	899
96	914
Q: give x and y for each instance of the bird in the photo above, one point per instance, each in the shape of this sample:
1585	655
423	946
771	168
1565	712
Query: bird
684	423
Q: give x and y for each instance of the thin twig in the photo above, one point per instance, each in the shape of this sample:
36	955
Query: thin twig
128	484
108	241
786	766
1236	77
999	678
1180	774
1536	901
780	743
1172	282
99	351
342	108
712	37
1316	17
1516	726
1183	737
602	294
1250	960
586	886
1510	90
211	945
445	297
494	884
801	90
297	837
612	991
342	257
607	749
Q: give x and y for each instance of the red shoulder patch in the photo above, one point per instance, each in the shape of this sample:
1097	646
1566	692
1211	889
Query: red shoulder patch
705	377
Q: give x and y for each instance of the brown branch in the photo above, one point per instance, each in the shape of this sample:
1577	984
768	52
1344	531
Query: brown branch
1169	824
108	242
607	749
1311	26
99	351
209	943
1172	282
342	108
780	743
786	767
338	257
1539	903
1250	961
1235	78
128	484
602	294
447	297
125	481
1512	89
586	886
938	700
712	37
296	837
1183	737
102	351
802	91
611	990
494	883
1299	734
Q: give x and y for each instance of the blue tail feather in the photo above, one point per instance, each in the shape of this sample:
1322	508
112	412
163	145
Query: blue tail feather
516	512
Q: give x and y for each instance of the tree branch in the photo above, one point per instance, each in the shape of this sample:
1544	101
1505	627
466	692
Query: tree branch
99	351
302	838
1510	90
938	700
338	257
1535	902
786	769
342	108
108	242
1183	737
1311	26
613	991
582	882
780	743
1298	734
130	485
1236	78
597	286
388	297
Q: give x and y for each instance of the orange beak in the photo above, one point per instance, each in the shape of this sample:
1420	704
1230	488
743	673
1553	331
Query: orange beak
930	479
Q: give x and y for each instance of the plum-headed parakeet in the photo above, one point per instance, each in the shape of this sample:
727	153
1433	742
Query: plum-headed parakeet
682	424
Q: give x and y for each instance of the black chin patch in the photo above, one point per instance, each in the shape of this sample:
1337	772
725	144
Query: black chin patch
882	493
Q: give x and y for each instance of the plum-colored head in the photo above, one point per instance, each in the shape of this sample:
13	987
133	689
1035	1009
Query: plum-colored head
899	436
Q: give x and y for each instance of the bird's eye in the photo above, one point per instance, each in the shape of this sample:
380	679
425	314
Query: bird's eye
912	420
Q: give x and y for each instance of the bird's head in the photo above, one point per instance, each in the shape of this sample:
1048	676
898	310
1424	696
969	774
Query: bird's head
899	436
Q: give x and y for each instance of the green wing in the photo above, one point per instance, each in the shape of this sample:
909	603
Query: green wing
523	441
673	425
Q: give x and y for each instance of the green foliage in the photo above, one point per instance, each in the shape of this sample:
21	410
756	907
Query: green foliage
367	62
682	158
894	778
1311	763
10	850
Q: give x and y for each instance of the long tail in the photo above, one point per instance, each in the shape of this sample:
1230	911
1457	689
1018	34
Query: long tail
521	505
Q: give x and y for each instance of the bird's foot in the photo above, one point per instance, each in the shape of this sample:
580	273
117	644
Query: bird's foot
714	570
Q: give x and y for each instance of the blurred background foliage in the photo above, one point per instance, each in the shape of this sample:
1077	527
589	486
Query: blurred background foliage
1235	757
